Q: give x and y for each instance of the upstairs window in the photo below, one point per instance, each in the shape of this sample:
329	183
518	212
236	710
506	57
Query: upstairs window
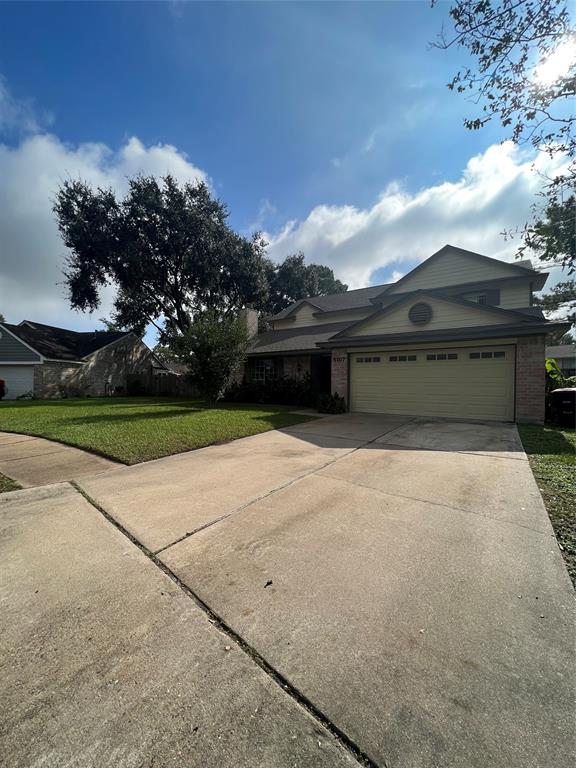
489	297
477	298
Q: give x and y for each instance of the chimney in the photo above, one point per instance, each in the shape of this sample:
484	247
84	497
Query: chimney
250	318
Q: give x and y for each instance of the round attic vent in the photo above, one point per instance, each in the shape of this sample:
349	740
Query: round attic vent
420	313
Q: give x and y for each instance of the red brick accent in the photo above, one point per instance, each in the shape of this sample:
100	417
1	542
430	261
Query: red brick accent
530	379
339	383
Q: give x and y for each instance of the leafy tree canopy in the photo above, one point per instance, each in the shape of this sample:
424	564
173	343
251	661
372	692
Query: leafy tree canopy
560	303
171	255
561	297
167	249
524	75
293	279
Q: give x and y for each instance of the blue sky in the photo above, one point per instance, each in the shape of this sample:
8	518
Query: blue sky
324	124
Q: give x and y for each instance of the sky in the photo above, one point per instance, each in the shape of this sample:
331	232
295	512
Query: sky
327	126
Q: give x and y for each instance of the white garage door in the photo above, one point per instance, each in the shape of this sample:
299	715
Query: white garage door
19	380
470	382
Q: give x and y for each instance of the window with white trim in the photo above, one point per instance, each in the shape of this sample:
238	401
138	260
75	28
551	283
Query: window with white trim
402	358
263	370
367	359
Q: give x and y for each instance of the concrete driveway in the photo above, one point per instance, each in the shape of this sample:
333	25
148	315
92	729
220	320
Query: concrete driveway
359	590
33	461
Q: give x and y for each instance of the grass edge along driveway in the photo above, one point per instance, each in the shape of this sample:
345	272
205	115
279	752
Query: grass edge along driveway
552	455
7	484
136	429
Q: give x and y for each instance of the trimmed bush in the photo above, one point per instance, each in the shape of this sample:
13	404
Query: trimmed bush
281	391
328	403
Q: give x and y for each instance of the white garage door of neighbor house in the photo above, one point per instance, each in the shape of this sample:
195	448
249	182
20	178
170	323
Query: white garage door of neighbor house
467	382
19	380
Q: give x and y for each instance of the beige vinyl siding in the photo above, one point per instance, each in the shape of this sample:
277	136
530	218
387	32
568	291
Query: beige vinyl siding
462	388
515	296
454	269
306	318
445	315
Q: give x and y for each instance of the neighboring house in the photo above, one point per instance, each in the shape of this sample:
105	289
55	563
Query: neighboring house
457	336
48	362
565	356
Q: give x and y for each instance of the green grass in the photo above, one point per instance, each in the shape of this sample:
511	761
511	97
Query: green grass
137	429
552	455
6	484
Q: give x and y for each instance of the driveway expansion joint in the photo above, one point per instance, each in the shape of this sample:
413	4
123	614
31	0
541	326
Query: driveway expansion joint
278	488
451	507
484	455
345	742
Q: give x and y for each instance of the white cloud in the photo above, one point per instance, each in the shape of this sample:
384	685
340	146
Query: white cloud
265	210
494	194
19	116
31	251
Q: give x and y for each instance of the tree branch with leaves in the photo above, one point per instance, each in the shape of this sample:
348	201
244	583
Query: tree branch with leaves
525	77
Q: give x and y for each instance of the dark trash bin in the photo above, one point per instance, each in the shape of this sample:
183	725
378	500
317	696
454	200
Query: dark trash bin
563	407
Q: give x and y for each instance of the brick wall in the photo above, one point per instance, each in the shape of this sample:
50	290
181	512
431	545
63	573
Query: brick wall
339	380
530	379
53	380
104	372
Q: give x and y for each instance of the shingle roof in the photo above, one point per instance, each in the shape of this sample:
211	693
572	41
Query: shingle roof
361	297
294	339
62	344
448	334
338	301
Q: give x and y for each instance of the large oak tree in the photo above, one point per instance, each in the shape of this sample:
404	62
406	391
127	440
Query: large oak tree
167	249
171	256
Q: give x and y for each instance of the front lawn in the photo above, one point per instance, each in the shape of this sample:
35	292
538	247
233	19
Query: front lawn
552	455
134	429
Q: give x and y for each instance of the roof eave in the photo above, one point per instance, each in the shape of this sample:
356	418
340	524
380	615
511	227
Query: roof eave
448	334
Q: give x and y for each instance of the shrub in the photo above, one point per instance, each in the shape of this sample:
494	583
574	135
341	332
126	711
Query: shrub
555	378
214	349
328	403
281	391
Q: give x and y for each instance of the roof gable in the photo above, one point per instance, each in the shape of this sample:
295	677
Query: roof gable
61	344
15	350
447	312
454	266
335	302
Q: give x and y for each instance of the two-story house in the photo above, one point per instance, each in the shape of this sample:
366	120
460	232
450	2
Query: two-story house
455	337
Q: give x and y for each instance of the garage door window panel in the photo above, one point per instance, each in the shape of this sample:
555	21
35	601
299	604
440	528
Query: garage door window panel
497	355
435	356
